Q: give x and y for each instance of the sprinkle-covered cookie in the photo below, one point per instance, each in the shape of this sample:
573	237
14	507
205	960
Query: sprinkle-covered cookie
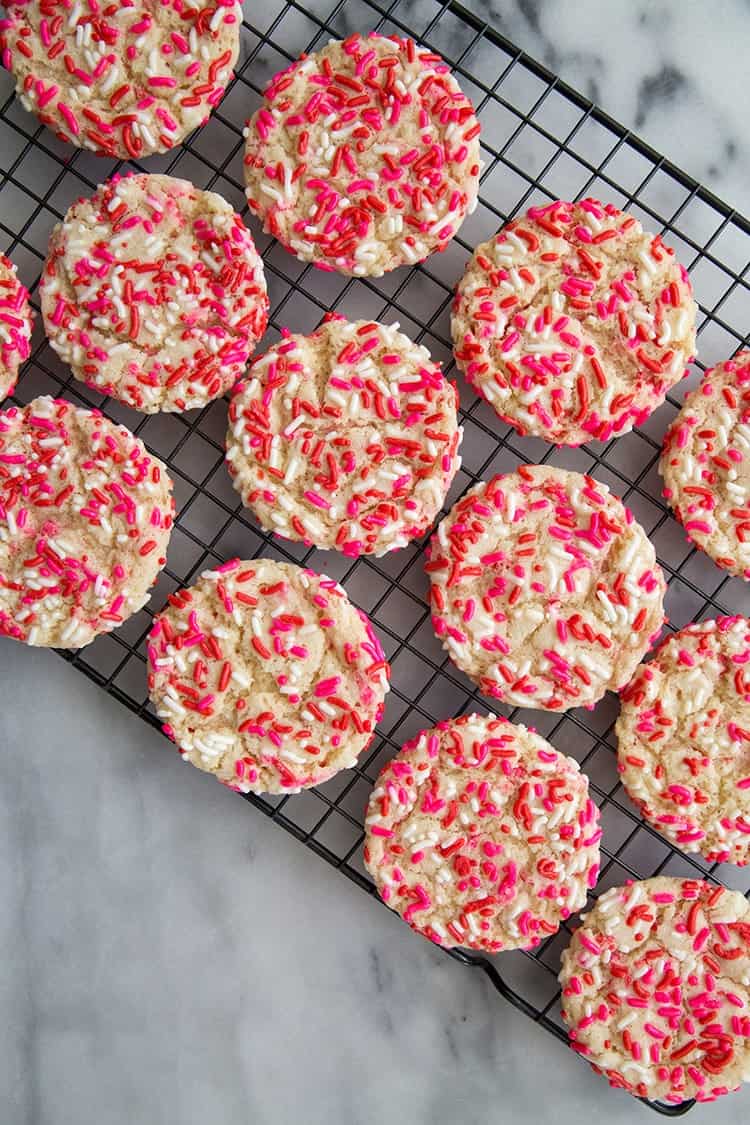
706	464
684	739
125	79
347	438
656	989
266	676
545	590
85	519
15	326
480	834
573	322
364	155
154	293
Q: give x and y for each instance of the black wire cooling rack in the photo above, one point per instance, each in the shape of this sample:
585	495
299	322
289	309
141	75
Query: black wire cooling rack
541	140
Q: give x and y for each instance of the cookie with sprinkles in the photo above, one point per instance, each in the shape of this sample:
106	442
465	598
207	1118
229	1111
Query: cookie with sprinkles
545	590
656	989
480	834
684	739
85	518
364	156
347	438
15	326
266	676
126	79
154	293
706	465
573	322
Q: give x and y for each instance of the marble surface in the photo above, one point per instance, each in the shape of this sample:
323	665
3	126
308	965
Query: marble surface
667	69
169	957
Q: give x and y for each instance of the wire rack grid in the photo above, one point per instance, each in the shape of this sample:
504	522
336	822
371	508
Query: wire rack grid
541	140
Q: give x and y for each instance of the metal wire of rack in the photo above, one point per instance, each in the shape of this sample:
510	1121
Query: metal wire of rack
541	140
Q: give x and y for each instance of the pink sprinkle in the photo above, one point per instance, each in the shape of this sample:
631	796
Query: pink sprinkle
316	499
327	687
69	117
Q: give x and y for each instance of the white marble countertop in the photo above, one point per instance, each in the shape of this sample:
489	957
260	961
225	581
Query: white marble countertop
169	957
667	69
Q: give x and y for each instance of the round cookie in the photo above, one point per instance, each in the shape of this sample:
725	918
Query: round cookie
15	326
545	591
347	438
573	323
125	79
85	519
266	676
481	835
364	156
684	739
656	989
706	465
154	293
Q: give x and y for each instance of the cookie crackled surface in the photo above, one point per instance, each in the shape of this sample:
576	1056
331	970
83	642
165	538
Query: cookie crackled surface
123	79
545	590
85	518
15	326
706	465
573	322
684	739
656	989
480	834
266	676
364	155
347	438
154	293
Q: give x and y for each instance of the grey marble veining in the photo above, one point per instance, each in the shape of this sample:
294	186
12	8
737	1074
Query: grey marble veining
169	957
666	69
172	958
